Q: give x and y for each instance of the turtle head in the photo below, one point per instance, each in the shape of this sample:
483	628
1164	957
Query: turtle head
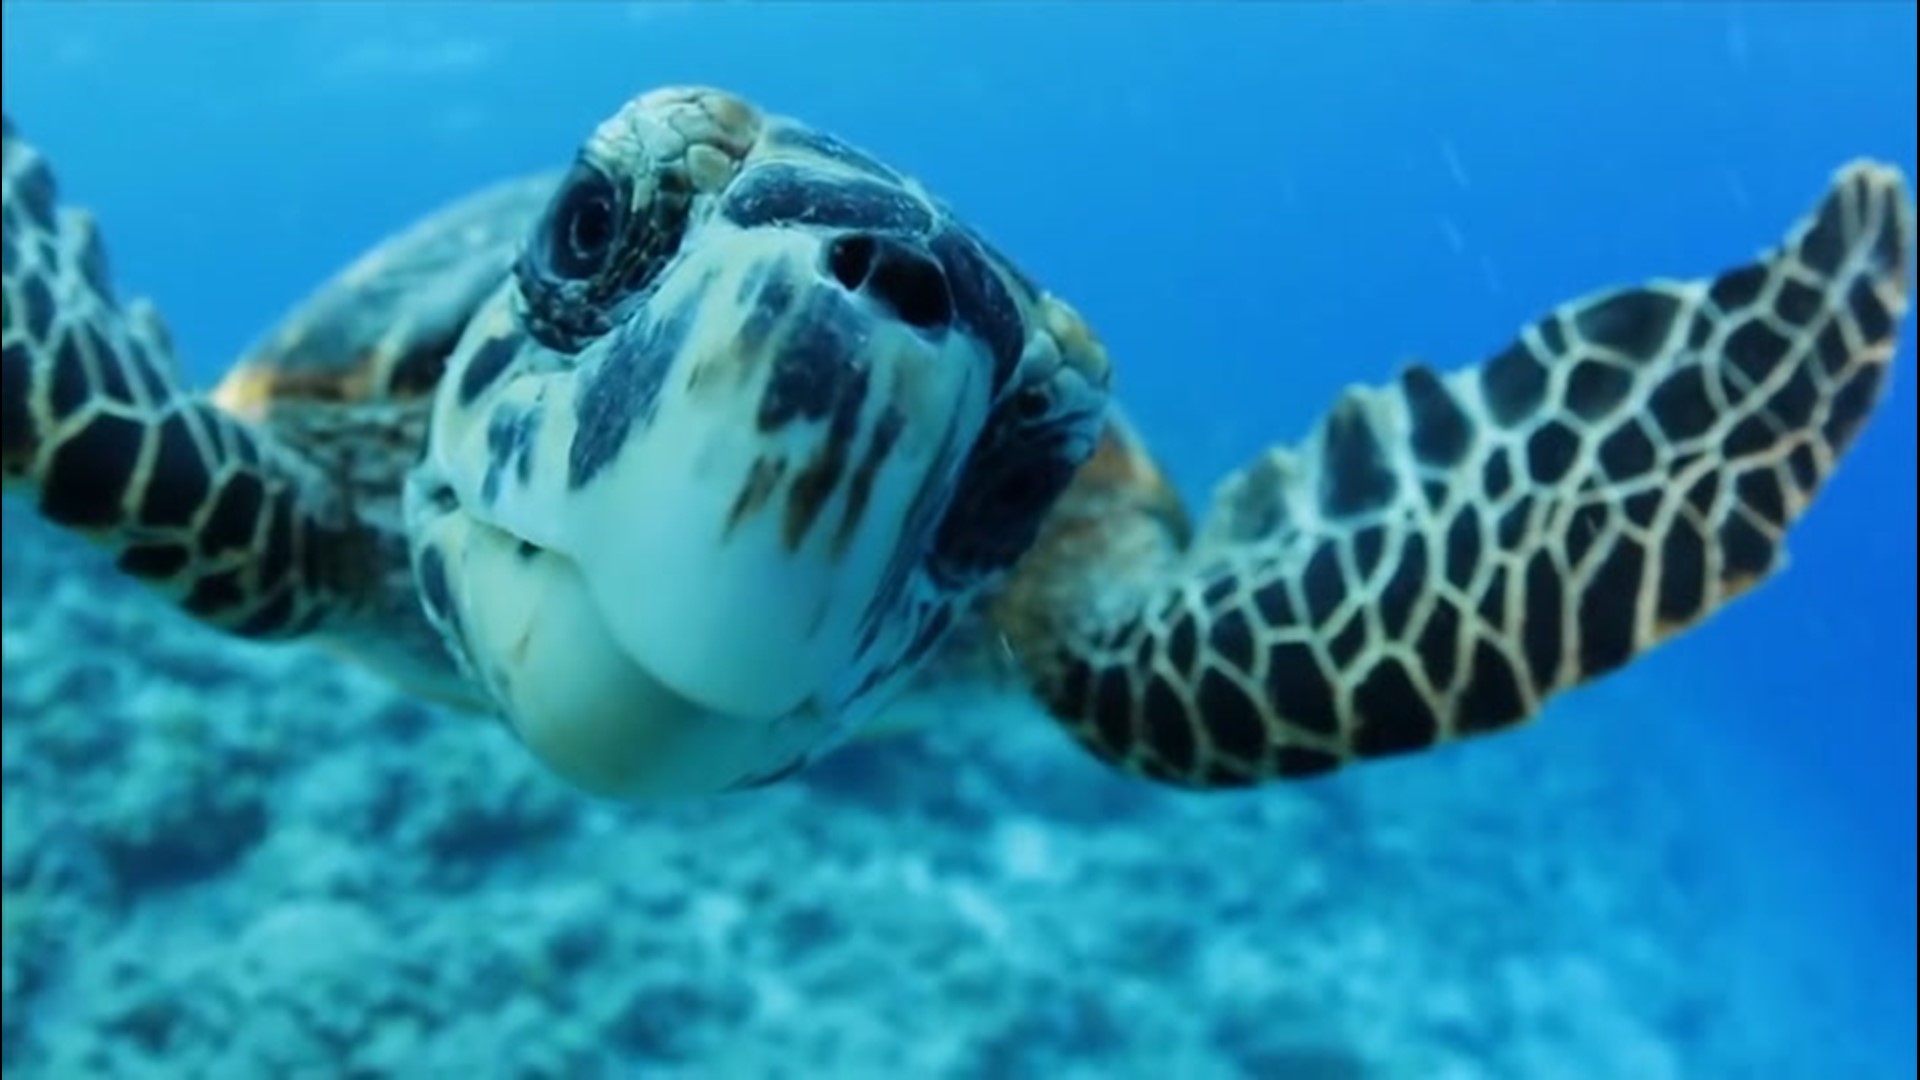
755	416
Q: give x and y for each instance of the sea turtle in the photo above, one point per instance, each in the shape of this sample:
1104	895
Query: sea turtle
688	459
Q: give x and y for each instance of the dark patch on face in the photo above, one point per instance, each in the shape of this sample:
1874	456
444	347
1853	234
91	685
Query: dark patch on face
418	370
510	441
492	359
435	591
625	389
762	481
1633	322
1357	478
811	140
982	303
782	194
90	472
1441	430
932	632
1017	469
816	481
768	296
813	371
885	434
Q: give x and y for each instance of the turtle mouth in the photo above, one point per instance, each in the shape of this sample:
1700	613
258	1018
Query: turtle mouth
524	621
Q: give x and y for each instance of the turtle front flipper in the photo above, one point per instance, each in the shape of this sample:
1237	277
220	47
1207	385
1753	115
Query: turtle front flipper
97	433
1444	554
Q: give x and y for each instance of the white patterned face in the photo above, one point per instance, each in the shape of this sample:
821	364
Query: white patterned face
755	418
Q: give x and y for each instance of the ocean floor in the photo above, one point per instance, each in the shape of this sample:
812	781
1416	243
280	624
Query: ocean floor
224	860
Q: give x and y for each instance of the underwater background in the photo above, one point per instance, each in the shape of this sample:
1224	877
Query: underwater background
225	860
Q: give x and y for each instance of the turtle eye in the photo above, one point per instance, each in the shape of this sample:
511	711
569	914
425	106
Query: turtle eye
583	226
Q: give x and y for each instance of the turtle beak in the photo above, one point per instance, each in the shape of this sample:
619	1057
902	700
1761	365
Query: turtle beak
752	517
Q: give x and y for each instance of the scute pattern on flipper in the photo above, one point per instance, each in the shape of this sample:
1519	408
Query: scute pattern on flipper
1444	554
189	499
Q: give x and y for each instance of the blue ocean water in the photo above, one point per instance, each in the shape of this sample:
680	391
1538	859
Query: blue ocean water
1256	204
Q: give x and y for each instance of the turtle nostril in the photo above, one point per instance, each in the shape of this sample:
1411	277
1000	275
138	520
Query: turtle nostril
897	274
850	260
